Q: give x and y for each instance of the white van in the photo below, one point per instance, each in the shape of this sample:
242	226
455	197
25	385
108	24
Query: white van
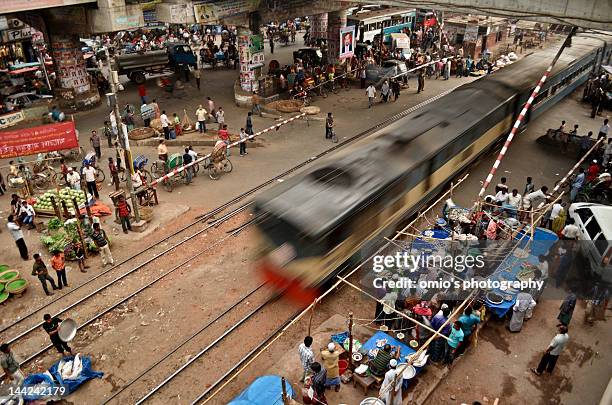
595	224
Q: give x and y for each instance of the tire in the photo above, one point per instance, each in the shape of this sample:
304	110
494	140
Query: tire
212	173
196	168
168	185
40	181
138	77
227	166
100	176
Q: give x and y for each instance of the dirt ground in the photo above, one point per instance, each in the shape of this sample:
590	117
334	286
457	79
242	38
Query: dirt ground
139	333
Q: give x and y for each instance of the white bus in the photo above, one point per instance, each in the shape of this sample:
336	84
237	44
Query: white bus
390	20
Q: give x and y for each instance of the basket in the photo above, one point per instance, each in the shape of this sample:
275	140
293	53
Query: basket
17	287
310	110
3	296
141	133
146	213
8	276
156	125
289	106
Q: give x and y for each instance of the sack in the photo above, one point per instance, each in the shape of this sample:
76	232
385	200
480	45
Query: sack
334	137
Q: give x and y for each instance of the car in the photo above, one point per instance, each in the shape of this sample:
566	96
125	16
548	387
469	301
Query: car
27	98
313	55
389	69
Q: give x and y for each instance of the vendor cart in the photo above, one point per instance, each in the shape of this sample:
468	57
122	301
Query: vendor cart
160	168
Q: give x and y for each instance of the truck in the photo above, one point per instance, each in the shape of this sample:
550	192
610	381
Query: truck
136	65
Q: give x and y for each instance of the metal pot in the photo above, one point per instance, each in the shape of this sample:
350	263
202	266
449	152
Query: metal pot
67	330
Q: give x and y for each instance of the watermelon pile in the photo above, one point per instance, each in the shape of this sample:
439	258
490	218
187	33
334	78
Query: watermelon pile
65	194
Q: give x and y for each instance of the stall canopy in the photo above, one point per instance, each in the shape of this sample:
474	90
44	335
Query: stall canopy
266	390
400	40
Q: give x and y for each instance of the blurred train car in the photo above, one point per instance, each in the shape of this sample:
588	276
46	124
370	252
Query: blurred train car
316	222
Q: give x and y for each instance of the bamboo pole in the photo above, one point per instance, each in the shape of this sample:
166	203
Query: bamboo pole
350	328
393	309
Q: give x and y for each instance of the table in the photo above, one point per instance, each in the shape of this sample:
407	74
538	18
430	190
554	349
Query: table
543	240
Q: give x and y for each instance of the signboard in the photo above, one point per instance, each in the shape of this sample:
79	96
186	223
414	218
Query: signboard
471	33
16	35
41	139
347	42
10	119
213	11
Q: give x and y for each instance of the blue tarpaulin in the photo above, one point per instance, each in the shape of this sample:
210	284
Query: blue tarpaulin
266	390
57	381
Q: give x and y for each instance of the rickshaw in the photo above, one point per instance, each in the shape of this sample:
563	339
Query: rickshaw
160	168
218	163
140	163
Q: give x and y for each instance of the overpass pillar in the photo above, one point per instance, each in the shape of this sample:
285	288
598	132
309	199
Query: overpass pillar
318	26
73	87
335	21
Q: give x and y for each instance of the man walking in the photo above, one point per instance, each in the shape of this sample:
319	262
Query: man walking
114	172
550	357
197	74
10	366
371	93
165	124
95	142
108	134
58	263
329	126
40	270
421	81
124	214
243	139
249	123
51	326
101	241
256	102
211	109
452	345
17	235
188	170
201	116
90	178
384	92
220	116
577	185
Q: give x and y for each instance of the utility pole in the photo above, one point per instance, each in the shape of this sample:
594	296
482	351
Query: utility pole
122	133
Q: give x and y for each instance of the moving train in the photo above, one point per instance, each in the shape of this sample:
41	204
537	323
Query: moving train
315	223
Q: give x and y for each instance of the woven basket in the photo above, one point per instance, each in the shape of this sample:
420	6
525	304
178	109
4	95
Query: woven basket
289	106
310	110
156	125
141	133
146	213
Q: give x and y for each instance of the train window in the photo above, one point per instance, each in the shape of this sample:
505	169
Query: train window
332	176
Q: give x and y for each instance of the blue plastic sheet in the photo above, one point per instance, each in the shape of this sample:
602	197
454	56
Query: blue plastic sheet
266	390
57	381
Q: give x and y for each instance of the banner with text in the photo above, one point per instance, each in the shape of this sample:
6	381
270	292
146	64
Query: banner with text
41	139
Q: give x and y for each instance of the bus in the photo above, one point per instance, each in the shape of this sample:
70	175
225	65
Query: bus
391	20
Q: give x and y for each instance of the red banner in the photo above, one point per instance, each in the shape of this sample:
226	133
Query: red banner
45	138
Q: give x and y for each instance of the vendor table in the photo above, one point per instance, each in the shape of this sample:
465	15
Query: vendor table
543	240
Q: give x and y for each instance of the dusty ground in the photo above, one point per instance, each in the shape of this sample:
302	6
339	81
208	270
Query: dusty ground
128	340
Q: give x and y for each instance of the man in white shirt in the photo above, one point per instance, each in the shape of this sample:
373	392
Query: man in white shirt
201	116
17	235
550	357
371	93
90	178
136	180
543	266
165	124
535	199
604	130
73	179
571	231
29	214
514	199
554	213
220	118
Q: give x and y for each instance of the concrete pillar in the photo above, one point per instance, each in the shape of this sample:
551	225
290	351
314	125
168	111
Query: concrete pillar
335	21
318	26
250	57
73	87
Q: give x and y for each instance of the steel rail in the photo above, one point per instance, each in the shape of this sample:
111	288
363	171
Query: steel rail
204	351
184	342
138	291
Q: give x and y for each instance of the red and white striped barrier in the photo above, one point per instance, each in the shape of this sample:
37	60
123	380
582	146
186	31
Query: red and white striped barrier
522	115
441	26
179	169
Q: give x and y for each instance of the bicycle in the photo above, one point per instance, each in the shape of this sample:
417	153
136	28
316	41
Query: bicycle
216	169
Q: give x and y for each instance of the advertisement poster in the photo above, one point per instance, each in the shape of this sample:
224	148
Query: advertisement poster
347	42
471	33
41	139
212	12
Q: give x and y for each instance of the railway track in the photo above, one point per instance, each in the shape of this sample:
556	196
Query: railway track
140	263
